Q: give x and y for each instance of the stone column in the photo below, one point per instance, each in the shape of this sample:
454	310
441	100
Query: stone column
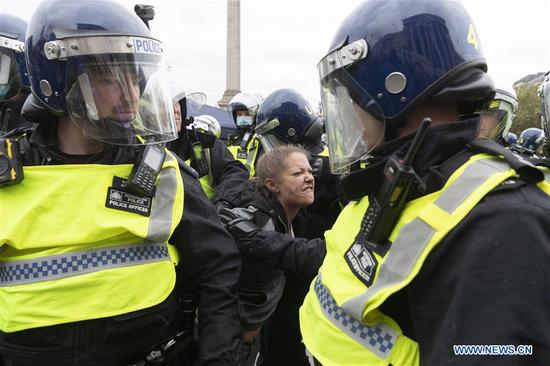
233	61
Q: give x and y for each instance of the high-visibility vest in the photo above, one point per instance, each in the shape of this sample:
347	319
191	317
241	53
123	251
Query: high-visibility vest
251	154
206	181
340	318
65	256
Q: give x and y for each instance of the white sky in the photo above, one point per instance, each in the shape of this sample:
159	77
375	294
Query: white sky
282	40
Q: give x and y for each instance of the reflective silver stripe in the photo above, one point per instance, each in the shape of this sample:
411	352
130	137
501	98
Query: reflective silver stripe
61	49
77	263
378	339
415	236
472	177
161	213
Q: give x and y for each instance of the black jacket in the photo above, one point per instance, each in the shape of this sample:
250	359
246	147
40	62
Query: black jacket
488	280
209	269
228	174
280	337
260	288
10	114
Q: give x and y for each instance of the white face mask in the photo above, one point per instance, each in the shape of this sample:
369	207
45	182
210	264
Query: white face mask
244	121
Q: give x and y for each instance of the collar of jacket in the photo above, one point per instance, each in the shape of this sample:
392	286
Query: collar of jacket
270	206
44	138
441	144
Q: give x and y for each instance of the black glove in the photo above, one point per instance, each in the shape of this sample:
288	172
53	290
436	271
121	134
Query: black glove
320	169
239	222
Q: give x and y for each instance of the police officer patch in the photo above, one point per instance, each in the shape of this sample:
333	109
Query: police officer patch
362	263
124	201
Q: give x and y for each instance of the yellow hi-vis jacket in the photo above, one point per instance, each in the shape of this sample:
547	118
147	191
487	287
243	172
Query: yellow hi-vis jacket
206	181
65	256
251	154
340	319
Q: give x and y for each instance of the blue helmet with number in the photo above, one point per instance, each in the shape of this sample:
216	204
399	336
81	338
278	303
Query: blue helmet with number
286	117
388	57
13	70
98	63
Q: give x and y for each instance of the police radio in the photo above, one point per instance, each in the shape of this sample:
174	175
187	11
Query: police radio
199	162
386	206
146	170
11	164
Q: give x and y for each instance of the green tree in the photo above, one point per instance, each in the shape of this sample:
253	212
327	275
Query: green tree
528	113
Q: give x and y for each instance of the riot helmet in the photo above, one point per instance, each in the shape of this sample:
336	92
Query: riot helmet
98	64
207	124
13	70
248	104
390	56
531	140
511	138
286	117
498	115
187	100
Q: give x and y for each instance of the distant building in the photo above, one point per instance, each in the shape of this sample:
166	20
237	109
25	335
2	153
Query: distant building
531	79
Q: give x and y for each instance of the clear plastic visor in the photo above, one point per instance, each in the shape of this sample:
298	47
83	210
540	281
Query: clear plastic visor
546	110
270	142
194	102
495	123
352	132
10	78
122	103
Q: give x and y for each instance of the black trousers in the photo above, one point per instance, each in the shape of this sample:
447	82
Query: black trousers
115	341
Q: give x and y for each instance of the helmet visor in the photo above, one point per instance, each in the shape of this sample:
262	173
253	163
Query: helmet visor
122	102
497	120
194	102
546	109
352	131
10	78
270	142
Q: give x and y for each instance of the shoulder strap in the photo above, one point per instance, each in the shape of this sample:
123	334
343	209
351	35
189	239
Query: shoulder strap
525	169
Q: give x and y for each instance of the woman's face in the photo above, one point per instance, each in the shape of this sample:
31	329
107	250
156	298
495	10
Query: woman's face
294	187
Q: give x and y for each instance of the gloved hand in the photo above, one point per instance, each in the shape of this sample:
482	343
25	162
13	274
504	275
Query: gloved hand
221	204
239	222
321	171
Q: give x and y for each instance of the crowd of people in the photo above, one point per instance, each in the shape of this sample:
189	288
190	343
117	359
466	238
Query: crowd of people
401	220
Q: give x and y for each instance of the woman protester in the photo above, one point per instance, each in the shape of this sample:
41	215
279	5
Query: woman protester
275	201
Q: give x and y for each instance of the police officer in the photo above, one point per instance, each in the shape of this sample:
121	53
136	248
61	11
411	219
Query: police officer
530	142
198	144
244	146
107	230
544	95
429	275
14	80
